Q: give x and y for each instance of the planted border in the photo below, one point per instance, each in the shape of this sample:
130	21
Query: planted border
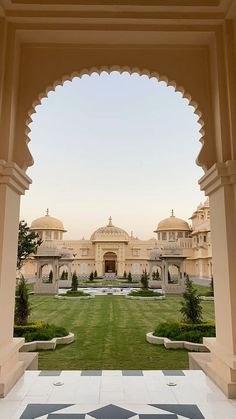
47	344
175	344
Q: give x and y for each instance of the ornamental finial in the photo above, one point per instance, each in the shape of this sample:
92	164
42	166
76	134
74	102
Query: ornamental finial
172	213
47	211
110	221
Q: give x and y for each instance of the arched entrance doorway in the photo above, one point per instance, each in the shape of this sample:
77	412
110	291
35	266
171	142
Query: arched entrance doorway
110	263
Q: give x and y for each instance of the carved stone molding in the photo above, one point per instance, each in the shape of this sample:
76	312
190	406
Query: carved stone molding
14	177
218	175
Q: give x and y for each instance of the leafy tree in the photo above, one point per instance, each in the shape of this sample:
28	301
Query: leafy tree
63	275
154	275
50	277
28	243
191	308
125	274
95	274
74	285
129	277
91	276
22	306
144	280
157	275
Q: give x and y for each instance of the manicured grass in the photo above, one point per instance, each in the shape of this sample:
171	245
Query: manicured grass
110	332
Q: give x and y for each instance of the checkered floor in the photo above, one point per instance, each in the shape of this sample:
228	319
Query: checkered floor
116	395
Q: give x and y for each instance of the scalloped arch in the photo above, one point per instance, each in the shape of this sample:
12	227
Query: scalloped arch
122	69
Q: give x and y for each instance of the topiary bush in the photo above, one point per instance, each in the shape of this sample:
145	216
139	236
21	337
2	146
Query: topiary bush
191	308
185	331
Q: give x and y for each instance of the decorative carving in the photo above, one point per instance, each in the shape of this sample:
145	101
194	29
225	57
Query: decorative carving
144	71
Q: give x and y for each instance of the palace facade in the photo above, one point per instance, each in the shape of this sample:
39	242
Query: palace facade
111	251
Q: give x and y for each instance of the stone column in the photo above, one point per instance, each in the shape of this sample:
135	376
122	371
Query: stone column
220	184
13	183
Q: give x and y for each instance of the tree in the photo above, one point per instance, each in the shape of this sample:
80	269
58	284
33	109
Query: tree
125	274
74	285
144	280
22	306
50	277
95	274
91	276
154	275
157	275
28	243
63	275
191	308
129	277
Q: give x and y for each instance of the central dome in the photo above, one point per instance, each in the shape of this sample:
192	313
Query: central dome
172	223
110	233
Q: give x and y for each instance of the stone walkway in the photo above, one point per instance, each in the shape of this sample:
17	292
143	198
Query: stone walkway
116	395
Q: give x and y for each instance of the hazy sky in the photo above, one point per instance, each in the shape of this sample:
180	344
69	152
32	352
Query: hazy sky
116	145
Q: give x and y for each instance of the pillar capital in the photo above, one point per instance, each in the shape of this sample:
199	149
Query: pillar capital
13	176
218	175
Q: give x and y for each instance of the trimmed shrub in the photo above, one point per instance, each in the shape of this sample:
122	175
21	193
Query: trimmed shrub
20	330
191	308
40	331
145	293
50	277
185	331
72	293
74	284
22	306
129	277
144	280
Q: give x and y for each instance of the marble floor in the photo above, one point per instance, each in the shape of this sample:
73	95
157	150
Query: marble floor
116	395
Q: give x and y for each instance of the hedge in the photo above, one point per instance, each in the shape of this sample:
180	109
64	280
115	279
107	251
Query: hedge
39	331
185	331
145	293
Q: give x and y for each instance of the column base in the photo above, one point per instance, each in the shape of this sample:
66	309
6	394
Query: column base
221	368
11	368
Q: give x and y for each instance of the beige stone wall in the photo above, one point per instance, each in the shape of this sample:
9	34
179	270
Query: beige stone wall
134	256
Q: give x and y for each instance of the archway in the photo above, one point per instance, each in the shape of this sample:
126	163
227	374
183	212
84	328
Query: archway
213	181
110	263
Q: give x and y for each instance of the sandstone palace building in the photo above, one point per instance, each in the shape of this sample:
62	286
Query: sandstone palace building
111	251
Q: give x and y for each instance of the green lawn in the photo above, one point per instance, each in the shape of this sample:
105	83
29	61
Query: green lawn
110	332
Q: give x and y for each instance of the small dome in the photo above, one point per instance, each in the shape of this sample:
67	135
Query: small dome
110	233
47	223
48	248
173	224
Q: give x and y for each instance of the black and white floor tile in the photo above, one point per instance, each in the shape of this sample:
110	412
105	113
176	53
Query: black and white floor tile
111	411
118	394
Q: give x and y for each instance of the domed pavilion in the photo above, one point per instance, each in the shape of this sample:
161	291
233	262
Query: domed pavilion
172	229
48	228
